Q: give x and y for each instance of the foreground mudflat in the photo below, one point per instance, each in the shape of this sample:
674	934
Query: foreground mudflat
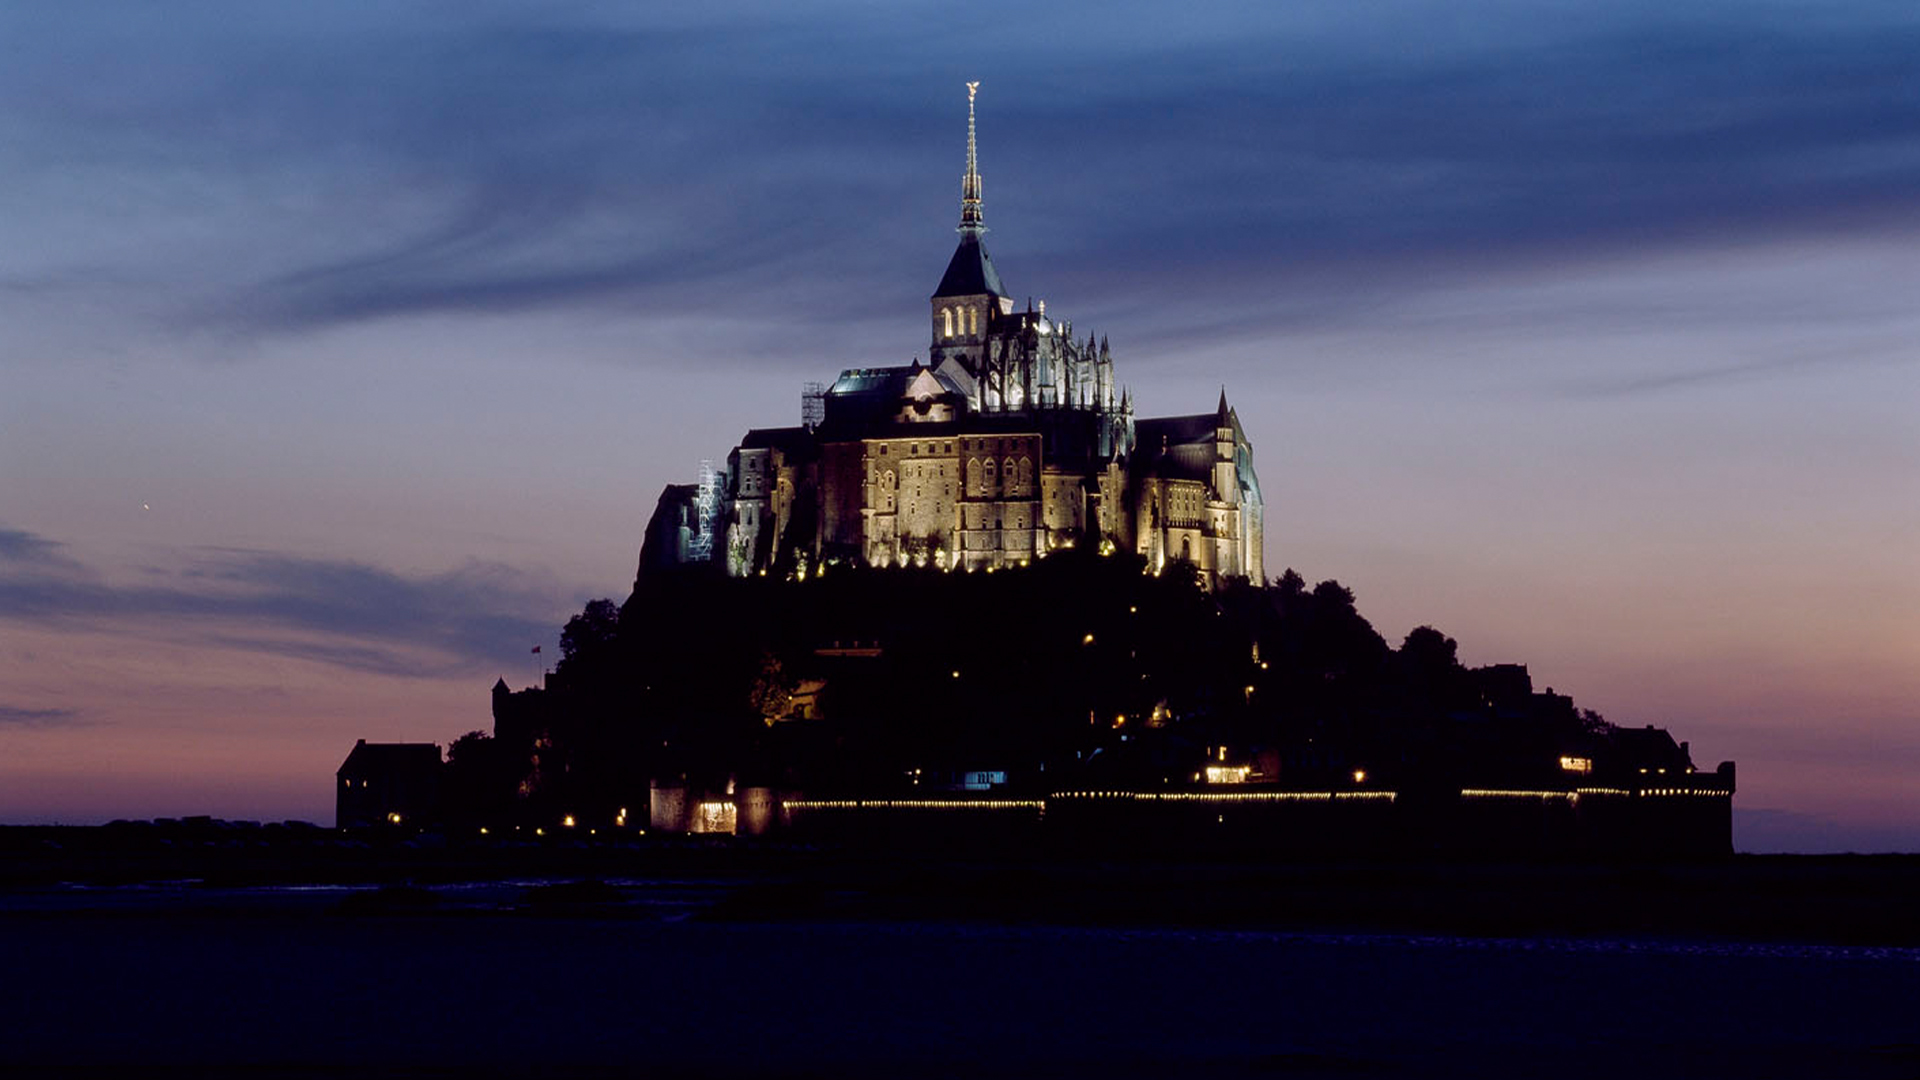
297	986
332	956
1846	900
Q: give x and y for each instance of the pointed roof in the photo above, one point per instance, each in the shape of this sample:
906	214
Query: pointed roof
925	385
366	757
1222	413
970	272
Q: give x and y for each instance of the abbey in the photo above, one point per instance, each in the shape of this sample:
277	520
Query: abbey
1012	440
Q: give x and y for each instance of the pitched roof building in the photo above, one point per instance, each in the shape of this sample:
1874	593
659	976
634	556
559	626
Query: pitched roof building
387	783
1013	439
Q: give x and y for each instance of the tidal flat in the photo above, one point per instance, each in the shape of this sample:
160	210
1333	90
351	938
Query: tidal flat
715	961
305	987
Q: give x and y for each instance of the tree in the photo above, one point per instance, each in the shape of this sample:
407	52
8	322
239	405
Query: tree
1333	595
470	751
771	693
590	631
1429	650
480	779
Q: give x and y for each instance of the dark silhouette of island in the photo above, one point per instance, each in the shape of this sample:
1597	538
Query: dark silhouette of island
1082	702
979	602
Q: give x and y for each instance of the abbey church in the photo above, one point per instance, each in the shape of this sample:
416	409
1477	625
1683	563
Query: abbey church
1012	440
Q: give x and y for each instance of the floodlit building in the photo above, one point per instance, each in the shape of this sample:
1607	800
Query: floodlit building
1013	438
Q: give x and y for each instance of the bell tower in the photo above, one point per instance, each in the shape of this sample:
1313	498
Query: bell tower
969	297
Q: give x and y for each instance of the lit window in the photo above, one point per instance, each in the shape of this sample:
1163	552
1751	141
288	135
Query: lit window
1576	764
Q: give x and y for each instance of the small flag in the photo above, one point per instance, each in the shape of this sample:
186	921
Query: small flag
536	648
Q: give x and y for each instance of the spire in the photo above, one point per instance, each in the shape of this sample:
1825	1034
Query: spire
1223	404
971	221
971	272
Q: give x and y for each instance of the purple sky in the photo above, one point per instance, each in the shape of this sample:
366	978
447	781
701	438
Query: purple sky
344	348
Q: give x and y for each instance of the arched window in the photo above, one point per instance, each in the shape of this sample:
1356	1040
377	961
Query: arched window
991	478
1026	474
1011	475
946	322
1186	549
973	320
975	482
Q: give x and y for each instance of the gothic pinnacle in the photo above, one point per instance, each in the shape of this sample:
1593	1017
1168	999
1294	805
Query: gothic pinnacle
971	220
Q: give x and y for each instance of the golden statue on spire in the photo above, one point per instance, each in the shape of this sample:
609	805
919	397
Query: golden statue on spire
972	88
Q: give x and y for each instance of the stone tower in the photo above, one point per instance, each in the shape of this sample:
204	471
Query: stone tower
969	297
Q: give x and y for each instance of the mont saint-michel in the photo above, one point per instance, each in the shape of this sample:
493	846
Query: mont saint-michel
974	600
1012	440
1270	595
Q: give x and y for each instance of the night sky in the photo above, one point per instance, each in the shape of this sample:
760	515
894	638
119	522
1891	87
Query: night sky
344	348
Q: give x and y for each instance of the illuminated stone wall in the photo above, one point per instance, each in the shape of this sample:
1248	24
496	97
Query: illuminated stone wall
1253	821
1064	513
1000	510
911	502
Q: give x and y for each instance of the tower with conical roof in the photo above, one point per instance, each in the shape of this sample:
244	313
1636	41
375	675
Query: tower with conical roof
1015	440
969	297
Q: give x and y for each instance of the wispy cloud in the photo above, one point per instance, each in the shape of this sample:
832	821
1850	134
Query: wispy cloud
18	716
1648	384
340	612
370	164
22	547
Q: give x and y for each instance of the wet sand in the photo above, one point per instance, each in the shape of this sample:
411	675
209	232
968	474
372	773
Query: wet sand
281	985
318	955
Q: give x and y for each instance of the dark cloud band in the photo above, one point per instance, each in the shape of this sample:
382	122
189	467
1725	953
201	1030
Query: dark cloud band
344	613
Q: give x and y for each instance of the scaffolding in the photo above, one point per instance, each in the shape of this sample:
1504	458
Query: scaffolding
706	513
813	405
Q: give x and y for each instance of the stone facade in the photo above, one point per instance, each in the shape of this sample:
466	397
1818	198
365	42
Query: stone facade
1012	440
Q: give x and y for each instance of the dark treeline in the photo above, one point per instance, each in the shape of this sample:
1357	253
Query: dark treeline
1079	670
